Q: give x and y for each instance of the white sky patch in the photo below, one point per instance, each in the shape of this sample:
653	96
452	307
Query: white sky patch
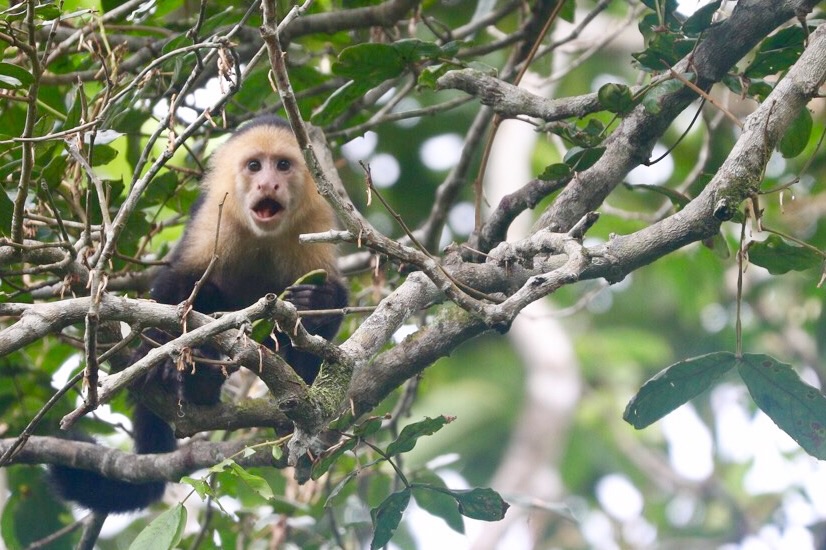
769	473
361	147
462	218
732	423
601	301
683	122
770	470
430	531
687	7
689	443
161	108
714	318
441	152
815	480
618	496
639	533
403	332
446	237
598	532
382	221
605	78
656	174
776	166
202	98
407	104
64	372
681	509
384	170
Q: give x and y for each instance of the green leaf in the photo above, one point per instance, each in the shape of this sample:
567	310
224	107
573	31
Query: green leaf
653	98
257	483
756	88
30	511
674	386
164	532
479	503
555	171
369	426
677	199
719	246
261	330
412	432
339	101
338	488
13	76
590	135
314	277
200	486
439	504
779	257
387	516
777	52
323	463
433	496
700	20
47	12
378	62
796	407
6	211
568	11
161	188
103	155
432	73
663	51
109	5
289	507
580	159
666	8
616	98
797	135
368	65
369	62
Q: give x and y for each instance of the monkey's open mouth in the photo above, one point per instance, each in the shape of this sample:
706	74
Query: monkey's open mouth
267	208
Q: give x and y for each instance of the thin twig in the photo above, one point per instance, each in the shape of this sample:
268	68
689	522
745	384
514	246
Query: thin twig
189	303
705	95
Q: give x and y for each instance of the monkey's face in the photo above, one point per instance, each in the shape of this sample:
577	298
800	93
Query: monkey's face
268	186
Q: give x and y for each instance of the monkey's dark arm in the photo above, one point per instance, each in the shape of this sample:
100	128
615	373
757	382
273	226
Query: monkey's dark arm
330	295
172	286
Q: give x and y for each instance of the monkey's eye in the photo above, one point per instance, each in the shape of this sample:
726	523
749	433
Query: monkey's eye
283	165
254	165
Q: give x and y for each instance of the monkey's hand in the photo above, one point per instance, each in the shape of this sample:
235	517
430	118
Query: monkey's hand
330	295
308	296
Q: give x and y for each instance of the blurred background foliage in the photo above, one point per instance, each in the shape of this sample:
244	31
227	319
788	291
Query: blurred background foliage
717	473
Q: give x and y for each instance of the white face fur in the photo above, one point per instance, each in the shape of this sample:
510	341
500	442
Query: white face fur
269	185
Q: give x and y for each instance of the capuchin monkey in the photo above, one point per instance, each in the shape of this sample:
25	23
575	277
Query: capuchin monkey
269	200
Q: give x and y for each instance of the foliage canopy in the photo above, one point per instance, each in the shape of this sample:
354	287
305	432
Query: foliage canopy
618	186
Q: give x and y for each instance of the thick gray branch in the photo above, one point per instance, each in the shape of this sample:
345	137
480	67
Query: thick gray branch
632	143
510	101
736	180
137	468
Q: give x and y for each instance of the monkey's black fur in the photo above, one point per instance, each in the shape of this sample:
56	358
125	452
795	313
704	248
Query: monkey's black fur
172	285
